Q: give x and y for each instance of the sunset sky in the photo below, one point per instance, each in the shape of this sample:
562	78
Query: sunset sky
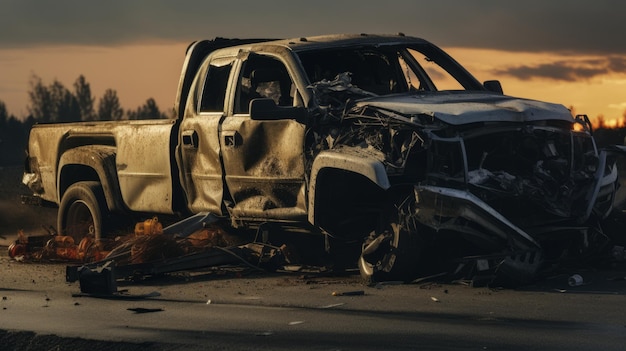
570	52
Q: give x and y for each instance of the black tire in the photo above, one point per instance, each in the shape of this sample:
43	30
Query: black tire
82	211
396	253
390	256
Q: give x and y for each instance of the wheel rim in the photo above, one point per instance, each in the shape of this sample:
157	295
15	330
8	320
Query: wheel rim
79	220
380	254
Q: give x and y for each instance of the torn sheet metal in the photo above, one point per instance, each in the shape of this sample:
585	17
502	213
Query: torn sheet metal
442	208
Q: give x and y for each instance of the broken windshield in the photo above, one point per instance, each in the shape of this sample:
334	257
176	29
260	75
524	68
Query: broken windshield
388	70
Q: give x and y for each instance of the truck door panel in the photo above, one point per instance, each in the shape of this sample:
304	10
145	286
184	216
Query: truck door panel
263	159
202	171
199	146
264	165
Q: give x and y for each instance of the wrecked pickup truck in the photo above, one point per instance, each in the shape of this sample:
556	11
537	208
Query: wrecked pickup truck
384	144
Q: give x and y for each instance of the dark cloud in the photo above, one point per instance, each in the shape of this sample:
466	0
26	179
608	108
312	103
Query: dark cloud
530	25
543	26
617	64
571	70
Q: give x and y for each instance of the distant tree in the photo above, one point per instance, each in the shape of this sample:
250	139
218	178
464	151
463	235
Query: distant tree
52	103
600	122
149	110
13	136
29	122
40	104
65	106
4	115
109	106
55	103
85	100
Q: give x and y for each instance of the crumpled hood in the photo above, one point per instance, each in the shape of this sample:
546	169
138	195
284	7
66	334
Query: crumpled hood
462	107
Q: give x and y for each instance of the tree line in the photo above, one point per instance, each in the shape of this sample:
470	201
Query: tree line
54	103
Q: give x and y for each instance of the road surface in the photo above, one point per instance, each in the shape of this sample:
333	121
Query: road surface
243	310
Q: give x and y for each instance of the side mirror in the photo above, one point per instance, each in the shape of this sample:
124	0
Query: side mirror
266	110
493	86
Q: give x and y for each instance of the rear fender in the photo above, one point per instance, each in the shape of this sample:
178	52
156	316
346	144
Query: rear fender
91	162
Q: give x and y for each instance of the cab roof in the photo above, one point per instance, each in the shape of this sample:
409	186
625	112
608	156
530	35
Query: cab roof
324	41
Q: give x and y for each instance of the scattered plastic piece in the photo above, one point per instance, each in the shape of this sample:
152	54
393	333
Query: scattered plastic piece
349	293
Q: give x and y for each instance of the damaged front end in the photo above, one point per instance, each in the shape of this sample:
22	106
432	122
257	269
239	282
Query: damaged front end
537	188
507	199
473	179
496	196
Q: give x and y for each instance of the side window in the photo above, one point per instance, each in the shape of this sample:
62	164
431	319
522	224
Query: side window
215	85
263	77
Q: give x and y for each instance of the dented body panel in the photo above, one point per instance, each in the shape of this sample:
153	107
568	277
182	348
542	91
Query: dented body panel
264	167
457	108
371	139
132	161
144	166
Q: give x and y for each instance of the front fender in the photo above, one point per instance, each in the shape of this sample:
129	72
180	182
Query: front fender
365	162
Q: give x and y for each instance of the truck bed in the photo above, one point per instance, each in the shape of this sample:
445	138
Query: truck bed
140	154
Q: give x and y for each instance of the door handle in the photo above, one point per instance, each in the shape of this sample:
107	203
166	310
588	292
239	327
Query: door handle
190	139
232	139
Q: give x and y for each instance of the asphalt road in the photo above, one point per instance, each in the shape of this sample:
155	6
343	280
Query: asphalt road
234	309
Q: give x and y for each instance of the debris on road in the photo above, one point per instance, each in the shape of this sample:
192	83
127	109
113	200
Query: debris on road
575	280
185	245
201	242
144	310
348	293
196	242
54	247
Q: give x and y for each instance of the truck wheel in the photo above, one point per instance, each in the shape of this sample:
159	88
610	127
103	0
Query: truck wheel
82	210
390	256
396	253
